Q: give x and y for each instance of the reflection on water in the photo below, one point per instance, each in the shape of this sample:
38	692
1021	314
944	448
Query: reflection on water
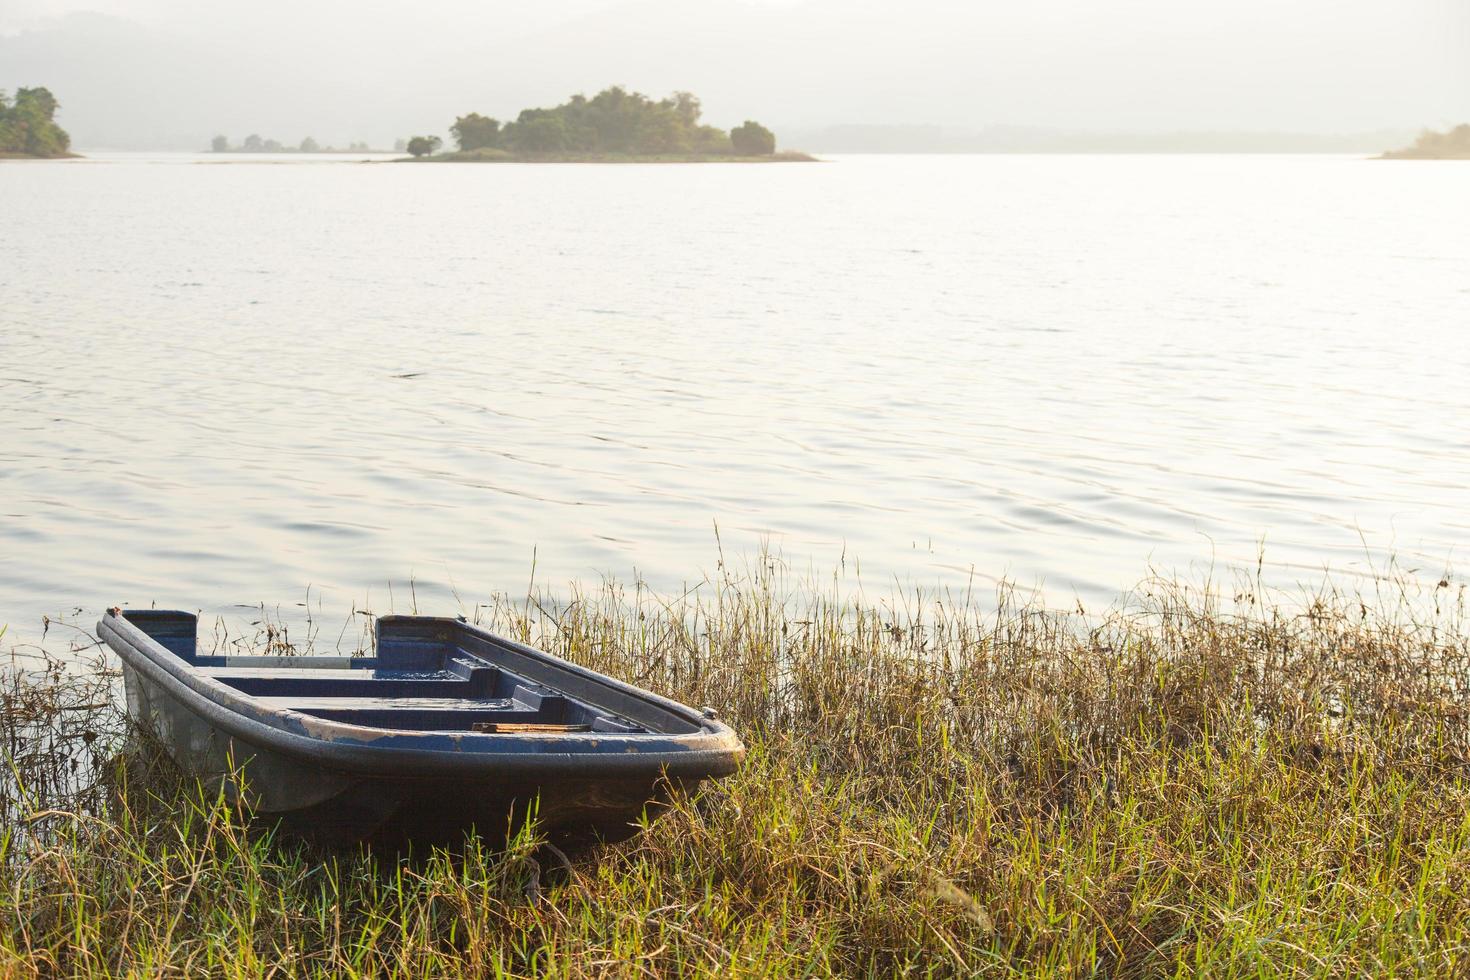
222	384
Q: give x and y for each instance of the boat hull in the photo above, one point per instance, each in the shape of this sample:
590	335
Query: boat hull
335	782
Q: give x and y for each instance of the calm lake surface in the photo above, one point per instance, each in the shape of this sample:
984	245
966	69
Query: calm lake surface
225	384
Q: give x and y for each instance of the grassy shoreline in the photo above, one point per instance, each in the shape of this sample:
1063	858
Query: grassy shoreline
936	786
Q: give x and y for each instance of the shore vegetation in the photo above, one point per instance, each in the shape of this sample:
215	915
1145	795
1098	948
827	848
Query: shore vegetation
421	146
1195	782
1453	144
28	125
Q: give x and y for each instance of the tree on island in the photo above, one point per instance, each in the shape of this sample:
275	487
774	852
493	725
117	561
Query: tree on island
421	146
27	125
544	132
220	144
751	139
474	131
1451	145
615	121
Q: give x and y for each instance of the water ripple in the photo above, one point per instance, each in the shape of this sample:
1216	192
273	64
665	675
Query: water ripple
1057	369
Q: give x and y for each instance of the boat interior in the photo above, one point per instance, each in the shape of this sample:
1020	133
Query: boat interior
426	675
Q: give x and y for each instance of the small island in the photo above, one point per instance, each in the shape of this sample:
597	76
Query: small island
28	129
614	126
1451	145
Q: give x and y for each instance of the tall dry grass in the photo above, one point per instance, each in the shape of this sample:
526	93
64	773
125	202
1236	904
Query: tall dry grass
1193	782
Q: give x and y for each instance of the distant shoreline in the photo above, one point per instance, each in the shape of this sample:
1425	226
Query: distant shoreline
503	156
295	151
1418	155
13	155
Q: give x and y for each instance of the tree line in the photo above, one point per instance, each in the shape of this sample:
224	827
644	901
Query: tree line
1451	145
614	121
28	126
255	144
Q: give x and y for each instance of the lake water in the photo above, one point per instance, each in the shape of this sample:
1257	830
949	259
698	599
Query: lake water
225	384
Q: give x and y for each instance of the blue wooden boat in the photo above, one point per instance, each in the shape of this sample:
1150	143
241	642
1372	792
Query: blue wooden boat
447	727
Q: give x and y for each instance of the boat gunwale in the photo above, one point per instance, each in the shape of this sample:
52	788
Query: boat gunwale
713	750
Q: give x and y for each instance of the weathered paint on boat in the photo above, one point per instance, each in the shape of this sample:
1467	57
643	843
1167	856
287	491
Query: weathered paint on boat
446	727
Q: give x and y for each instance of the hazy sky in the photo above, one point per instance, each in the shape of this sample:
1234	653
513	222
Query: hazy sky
170	73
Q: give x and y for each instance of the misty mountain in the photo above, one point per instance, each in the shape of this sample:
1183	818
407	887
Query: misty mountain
166	74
